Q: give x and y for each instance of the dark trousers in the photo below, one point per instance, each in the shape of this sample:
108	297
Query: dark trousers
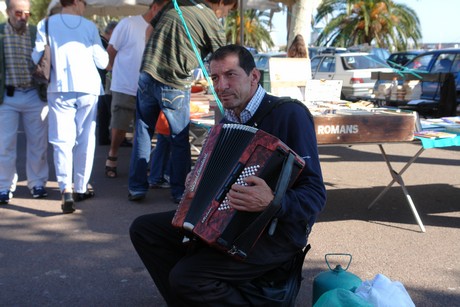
103	119
190	274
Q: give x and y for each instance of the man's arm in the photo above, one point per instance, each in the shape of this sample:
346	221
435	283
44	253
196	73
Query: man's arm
307	198
112	54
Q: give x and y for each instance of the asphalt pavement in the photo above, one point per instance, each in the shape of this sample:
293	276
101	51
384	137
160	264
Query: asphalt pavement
86	258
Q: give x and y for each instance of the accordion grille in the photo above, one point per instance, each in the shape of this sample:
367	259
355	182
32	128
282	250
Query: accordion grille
232	141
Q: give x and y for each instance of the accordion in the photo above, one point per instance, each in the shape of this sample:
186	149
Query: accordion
231	153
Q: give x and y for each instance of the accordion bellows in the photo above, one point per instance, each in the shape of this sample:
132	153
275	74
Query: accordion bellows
231	153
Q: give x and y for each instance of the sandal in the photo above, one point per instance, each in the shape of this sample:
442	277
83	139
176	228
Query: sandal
111	171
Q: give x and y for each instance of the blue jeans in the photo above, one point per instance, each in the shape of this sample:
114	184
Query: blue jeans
153	96
159	166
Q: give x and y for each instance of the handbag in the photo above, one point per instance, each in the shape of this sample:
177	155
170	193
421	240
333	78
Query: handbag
41	73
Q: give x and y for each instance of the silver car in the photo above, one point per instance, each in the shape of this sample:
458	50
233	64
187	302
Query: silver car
353	68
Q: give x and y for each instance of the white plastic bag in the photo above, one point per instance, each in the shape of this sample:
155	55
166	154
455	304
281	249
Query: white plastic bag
382	292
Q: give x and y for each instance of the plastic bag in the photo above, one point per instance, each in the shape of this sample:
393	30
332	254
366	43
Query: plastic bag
382	292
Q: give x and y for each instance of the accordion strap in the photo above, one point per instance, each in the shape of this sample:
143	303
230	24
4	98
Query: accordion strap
246	239
269	107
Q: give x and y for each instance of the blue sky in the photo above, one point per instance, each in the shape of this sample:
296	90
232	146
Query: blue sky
439	19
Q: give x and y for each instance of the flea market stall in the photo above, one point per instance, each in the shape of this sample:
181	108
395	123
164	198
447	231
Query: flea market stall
339	122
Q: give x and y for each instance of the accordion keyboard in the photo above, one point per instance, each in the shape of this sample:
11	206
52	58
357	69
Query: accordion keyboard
247	171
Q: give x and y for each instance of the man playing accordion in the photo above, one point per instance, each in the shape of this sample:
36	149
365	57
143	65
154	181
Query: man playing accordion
196	274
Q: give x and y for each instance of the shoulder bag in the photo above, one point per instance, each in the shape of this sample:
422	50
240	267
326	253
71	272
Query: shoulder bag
41	73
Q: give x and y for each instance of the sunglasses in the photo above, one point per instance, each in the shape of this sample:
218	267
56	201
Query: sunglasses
19	14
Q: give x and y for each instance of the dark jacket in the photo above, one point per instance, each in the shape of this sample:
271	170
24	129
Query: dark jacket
33	33
293	124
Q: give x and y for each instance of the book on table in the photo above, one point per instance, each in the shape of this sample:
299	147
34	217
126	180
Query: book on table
434	134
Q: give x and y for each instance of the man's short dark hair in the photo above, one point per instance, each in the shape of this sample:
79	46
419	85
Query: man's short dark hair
110	26
244	56
65	3
158	2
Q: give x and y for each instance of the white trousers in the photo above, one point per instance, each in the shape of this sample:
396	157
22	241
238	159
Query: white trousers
72	126
25	105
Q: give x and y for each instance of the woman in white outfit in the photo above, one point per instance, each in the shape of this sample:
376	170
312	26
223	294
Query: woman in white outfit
76	53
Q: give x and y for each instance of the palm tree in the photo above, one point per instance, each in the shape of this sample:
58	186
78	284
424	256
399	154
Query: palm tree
299	17
382	23
256	25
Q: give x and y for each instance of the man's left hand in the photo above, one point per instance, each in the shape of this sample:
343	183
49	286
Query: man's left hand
254	197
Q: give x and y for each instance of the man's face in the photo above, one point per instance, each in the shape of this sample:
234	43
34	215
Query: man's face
18	14
231	83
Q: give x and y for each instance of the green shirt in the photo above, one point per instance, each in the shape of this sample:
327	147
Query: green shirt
169	56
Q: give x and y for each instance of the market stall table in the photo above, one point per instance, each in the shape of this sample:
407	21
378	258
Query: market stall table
426	143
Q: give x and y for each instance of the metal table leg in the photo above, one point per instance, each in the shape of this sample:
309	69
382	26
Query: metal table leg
397	177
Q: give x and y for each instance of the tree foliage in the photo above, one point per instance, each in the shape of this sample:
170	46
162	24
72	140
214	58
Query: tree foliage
382	23
255	29
38	9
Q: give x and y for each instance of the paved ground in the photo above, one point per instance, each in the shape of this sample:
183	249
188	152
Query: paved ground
86	258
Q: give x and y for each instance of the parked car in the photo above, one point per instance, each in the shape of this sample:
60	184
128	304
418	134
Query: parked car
380	53
399	59
252	50
353	68
262	64
435	61
262	59
313	51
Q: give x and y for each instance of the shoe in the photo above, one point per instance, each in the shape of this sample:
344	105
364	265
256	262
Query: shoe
67	203
136	196
38	191
162	184
83	196
111	171
5	197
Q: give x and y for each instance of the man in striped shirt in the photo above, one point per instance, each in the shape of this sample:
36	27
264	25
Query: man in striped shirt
164	84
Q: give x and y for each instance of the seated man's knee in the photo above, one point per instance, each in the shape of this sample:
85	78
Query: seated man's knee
136	227
181	283
143	225
136	224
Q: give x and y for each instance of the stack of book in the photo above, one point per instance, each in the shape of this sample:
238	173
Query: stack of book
437	128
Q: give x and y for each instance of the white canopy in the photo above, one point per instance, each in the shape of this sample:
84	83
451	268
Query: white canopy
110	7
135	7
